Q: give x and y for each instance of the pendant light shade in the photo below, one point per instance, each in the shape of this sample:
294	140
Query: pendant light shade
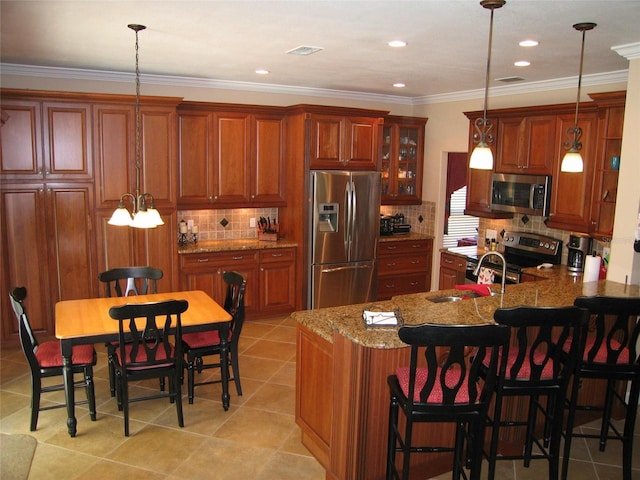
143	217
482	156
572	160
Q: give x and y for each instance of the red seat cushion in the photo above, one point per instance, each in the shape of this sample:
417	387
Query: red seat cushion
452	377
601	354
49	355
202	339
525	370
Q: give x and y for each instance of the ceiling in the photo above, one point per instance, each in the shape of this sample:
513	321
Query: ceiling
227	41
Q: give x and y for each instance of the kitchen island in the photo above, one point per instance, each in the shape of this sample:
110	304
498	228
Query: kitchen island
342	398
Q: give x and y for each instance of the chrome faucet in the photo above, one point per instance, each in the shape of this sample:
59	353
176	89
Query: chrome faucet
504	267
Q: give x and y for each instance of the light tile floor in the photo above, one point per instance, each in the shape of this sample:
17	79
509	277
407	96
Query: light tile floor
256	439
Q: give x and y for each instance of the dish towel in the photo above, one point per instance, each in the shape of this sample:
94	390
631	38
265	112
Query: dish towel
485	277
483	290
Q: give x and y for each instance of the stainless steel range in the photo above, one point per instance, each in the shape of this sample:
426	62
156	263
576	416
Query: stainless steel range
521	250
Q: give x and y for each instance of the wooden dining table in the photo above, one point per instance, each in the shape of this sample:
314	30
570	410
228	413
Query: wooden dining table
87	321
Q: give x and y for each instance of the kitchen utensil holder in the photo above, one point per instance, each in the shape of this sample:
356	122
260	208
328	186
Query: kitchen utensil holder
270	235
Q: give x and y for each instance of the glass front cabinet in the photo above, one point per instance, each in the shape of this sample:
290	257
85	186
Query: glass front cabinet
401	156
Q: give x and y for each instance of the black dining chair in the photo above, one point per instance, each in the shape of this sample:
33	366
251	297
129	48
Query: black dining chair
610	355
449	390
546	344
122	282
150	346
45	361
205	344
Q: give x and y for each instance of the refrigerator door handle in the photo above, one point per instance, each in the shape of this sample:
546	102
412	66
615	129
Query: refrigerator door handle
354	212
348	221
350	267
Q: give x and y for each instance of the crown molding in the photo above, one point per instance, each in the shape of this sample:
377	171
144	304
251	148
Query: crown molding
177	81
630	51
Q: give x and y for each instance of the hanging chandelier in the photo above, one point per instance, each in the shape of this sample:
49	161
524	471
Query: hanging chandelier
144	211
572	160
482	157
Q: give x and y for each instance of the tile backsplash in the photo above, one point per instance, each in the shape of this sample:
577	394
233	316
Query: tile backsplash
210	222
226	224
422	218
532	224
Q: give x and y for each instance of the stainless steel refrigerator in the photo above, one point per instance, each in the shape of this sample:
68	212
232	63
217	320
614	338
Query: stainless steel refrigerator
345	226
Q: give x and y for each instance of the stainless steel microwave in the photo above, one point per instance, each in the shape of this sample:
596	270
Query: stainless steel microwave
528	194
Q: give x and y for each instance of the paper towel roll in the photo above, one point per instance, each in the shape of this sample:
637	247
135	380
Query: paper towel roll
591	269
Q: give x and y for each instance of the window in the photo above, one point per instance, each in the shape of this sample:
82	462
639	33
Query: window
459	225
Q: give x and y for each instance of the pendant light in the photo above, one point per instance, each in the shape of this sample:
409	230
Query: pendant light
572	161
482	157
145	214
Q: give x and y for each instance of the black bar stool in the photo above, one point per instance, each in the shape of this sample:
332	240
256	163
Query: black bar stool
610	354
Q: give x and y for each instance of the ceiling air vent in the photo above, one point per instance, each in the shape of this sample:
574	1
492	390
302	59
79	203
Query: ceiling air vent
509	79
304	50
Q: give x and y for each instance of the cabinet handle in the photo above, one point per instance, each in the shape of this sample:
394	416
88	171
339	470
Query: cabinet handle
416	245
391	247
237	257
203	260
449	261
415	262
413	284
390	285
391	264
276	255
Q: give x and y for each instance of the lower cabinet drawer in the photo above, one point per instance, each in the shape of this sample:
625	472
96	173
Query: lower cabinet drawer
403	264
391	285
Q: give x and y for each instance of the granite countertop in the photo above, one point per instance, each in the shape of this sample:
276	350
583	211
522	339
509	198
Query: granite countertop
212	246
405	236
415	309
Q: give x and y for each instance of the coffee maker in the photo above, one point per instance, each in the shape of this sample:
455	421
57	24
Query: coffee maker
578	248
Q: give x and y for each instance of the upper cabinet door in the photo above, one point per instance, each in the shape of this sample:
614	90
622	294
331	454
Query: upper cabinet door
68	141
21	140
343	142
195	138
526	145
231	157
361	142
267	160
114	127
158	153
571	192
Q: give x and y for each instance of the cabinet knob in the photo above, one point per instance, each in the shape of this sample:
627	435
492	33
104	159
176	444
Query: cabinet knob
253	196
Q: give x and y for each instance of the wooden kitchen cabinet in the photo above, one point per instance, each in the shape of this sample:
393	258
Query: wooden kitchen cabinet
270	276
570	191
46	140
277	280
452	271
401	160
230	159
605	188
47	238
203	271
343	142
115	128
404	266
526	144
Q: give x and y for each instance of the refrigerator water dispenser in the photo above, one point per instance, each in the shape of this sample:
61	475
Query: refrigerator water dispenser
328	217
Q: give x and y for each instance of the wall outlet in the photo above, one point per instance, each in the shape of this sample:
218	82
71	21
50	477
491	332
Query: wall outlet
252	222
190	224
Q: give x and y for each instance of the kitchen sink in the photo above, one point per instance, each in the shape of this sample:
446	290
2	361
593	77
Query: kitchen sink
456	298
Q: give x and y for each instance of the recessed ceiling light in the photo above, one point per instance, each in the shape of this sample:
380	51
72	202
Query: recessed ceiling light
397	43
304	50
522	63
262	71
399	85
528	43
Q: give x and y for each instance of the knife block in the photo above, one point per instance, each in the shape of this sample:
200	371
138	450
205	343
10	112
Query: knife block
272	236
